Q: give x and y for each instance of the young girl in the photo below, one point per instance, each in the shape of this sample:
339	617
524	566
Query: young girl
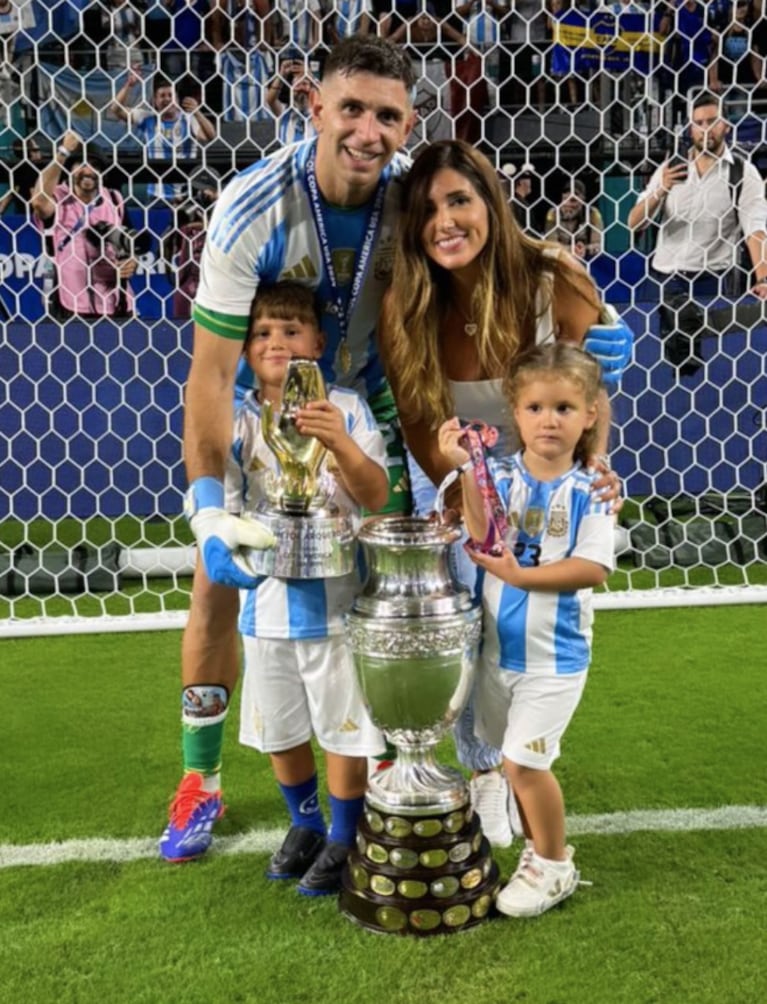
536	596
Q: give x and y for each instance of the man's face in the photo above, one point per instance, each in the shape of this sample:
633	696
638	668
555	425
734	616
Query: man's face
570	206
164	99
708	129
523	188
85	179
362	120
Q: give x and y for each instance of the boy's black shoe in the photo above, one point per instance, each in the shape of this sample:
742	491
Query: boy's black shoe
324	877
299	850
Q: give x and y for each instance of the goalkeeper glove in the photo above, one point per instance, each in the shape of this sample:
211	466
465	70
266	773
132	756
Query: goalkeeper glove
219	534
610	343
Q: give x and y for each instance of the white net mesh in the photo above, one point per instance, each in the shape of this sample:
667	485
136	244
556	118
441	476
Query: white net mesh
577	103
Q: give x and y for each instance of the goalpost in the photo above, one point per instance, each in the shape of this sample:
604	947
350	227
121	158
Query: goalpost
91	478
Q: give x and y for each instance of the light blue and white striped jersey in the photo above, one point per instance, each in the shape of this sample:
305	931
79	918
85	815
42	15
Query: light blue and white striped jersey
545	632
262	230
349	14
166	139
482	28
301	20
293	126
294	608
244	85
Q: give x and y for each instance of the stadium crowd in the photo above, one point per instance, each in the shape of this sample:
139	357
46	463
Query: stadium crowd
158	86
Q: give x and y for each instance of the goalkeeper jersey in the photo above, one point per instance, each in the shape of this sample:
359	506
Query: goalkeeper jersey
545	632
295	608
263	230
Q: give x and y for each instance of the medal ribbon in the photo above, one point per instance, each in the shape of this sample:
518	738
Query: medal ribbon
341	308
477	437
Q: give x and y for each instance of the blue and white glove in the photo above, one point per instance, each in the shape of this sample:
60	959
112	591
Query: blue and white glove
219	534
610	342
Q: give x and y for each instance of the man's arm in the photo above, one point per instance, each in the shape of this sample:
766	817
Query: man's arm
118	106
207	131
208	424
757	250
43	203
209	408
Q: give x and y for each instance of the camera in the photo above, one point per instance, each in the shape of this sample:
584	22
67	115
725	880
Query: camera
125	242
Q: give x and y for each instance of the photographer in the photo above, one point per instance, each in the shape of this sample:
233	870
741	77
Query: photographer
83	226
705	206
183	243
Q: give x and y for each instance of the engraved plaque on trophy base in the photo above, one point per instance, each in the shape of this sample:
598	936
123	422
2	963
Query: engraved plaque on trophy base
419	875
315	544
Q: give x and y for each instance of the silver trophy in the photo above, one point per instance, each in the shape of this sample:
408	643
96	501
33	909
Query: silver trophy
421	864
315	538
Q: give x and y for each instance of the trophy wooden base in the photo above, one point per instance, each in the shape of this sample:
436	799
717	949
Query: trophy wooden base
419	875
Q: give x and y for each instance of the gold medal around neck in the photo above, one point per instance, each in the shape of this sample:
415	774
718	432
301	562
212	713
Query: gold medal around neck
344	358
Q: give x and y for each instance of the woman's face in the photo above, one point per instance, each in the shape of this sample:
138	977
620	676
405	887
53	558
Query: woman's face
457	224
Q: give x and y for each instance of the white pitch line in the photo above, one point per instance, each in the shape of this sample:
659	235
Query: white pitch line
95	849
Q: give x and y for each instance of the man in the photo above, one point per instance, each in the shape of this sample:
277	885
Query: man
702	218
575	224
322	212
92	271
168	130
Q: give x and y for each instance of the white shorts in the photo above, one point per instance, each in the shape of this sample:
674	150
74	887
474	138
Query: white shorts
525	715
295	689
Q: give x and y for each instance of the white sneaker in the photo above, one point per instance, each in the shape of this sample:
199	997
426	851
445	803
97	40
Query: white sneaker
490	798
537	885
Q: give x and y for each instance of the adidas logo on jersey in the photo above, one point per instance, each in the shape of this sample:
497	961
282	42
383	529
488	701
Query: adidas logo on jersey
303	270
349	726
536	746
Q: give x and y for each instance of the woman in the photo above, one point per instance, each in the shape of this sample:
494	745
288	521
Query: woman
470	293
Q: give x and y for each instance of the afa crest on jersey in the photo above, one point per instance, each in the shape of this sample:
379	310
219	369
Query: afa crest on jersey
558	523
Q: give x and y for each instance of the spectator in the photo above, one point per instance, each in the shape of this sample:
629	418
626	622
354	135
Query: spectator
522	196
528	35
691	48
346	18
469	91
182	246
78	220
702	218
167	130
23	175
240	30
189	47
288	100
423	37
574	224
738	67
296	25
114	33
9	26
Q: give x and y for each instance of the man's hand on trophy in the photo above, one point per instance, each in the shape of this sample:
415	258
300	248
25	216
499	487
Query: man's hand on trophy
220	535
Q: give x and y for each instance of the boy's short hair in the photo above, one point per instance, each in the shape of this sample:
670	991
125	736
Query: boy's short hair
287	301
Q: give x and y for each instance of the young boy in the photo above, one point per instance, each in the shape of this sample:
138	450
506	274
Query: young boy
299	674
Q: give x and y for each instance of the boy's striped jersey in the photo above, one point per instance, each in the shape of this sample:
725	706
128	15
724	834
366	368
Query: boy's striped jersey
295	608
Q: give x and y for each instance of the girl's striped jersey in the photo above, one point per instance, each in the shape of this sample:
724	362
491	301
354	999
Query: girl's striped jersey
545	632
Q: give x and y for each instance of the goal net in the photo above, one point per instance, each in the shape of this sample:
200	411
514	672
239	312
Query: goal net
577	104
